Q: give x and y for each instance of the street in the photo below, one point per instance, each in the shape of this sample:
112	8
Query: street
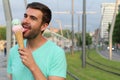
3	62
115	54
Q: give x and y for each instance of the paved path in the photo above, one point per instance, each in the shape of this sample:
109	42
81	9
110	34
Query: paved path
115	55
3	62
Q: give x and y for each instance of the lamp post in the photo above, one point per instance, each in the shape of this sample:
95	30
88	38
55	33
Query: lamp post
72	47
111	30
78	31
60	25
83	34
25	1
8	17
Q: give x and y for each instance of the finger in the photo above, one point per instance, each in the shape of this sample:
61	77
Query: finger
20	49
23	60
21	52
23	57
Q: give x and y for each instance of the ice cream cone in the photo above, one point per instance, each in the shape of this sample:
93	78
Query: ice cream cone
18	31
19	38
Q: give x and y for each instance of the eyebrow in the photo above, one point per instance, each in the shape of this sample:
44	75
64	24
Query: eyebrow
31	16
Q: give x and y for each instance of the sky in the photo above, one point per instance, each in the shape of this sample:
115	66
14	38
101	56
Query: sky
93	20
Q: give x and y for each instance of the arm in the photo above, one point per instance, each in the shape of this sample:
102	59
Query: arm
10	76
55	78
39	76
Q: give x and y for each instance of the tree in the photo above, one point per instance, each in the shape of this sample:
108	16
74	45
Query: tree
47	34
66	33
88	39
78	37
108	30
2	33
116	32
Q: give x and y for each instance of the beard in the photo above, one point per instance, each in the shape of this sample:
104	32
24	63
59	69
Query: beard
32	33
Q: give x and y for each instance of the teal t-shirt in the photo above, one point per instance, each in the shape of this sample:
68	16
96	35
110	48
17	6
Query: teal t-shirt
50	58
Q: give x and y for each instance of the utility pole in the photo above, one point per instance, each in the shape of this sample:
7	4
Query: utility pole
78	30
83	35
25	1
60	25
72	47
78	23
111	30
8	17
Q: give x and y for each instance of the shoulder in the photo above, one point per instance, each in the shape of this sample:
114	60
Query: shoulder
53	46
56	51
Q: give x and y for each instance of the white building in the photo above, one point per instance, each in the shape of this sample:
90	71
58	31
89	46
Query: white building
58	39
107	16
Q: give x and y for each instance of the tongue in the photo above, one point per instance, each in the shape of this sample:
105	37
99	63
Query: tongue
24	30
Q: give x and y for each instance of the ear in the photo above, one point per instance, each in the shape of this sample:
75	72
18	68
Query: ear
44	26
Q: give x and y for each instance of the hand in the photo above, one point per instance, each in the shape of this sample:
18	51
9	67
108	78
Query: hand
27	58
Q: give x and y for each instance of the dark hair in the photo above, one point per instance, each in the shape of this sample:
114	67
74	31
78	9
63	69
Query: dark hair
46	18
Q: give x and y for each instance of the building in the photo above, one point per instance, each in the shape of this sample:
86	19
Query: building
95	37
58	39
107	17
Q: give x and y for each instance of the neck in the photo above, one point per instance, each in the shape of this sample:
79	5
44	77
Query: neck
33	44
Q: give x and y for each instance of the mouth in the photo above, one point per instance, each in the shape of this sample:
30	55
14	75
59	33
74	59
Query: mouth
26	28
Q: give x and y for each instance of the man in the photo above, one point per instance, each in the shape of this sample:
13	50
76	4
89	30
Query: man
41	59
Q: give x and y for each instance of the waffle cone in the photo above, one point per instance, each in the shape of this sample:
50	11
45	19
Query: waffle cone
19	38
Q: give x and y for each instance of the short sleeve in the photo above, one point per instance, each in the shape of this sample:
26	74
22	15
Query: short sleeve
58	65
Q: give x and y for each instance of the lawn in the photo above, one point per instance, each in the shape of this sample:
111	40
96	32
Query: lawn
97	67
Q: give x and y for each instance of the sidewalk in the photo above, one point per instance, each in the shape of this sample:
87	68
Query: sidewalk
3	63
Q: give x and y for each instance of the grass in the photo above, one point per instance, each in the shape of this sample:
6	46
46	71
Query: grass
97	68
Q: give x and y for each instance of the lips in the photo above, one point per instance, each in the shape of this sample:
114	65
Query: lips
26	28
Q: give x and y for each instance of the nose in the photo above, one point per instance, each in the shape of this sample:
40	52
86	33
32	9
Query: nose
25	20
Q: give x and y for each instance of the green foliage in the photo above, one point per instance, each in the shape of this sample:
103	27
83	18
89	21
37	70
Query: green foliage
116	31
78	37
2	33
66	33
109	26
48	35
88	39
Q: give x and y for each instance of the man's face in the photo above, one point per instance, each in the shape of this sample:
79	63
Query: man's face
32	23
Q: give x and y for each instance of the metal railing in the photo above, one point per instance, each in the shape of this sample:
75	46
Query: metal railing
73	76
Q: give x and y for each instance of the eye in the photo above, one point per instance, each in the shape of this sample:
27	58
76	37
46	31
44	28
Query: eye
33	17
25	15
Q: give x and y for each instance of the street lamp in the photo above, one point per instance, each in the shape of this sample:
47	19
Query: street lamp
111	30
60	25
72	47
83	34
8	17
25	2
